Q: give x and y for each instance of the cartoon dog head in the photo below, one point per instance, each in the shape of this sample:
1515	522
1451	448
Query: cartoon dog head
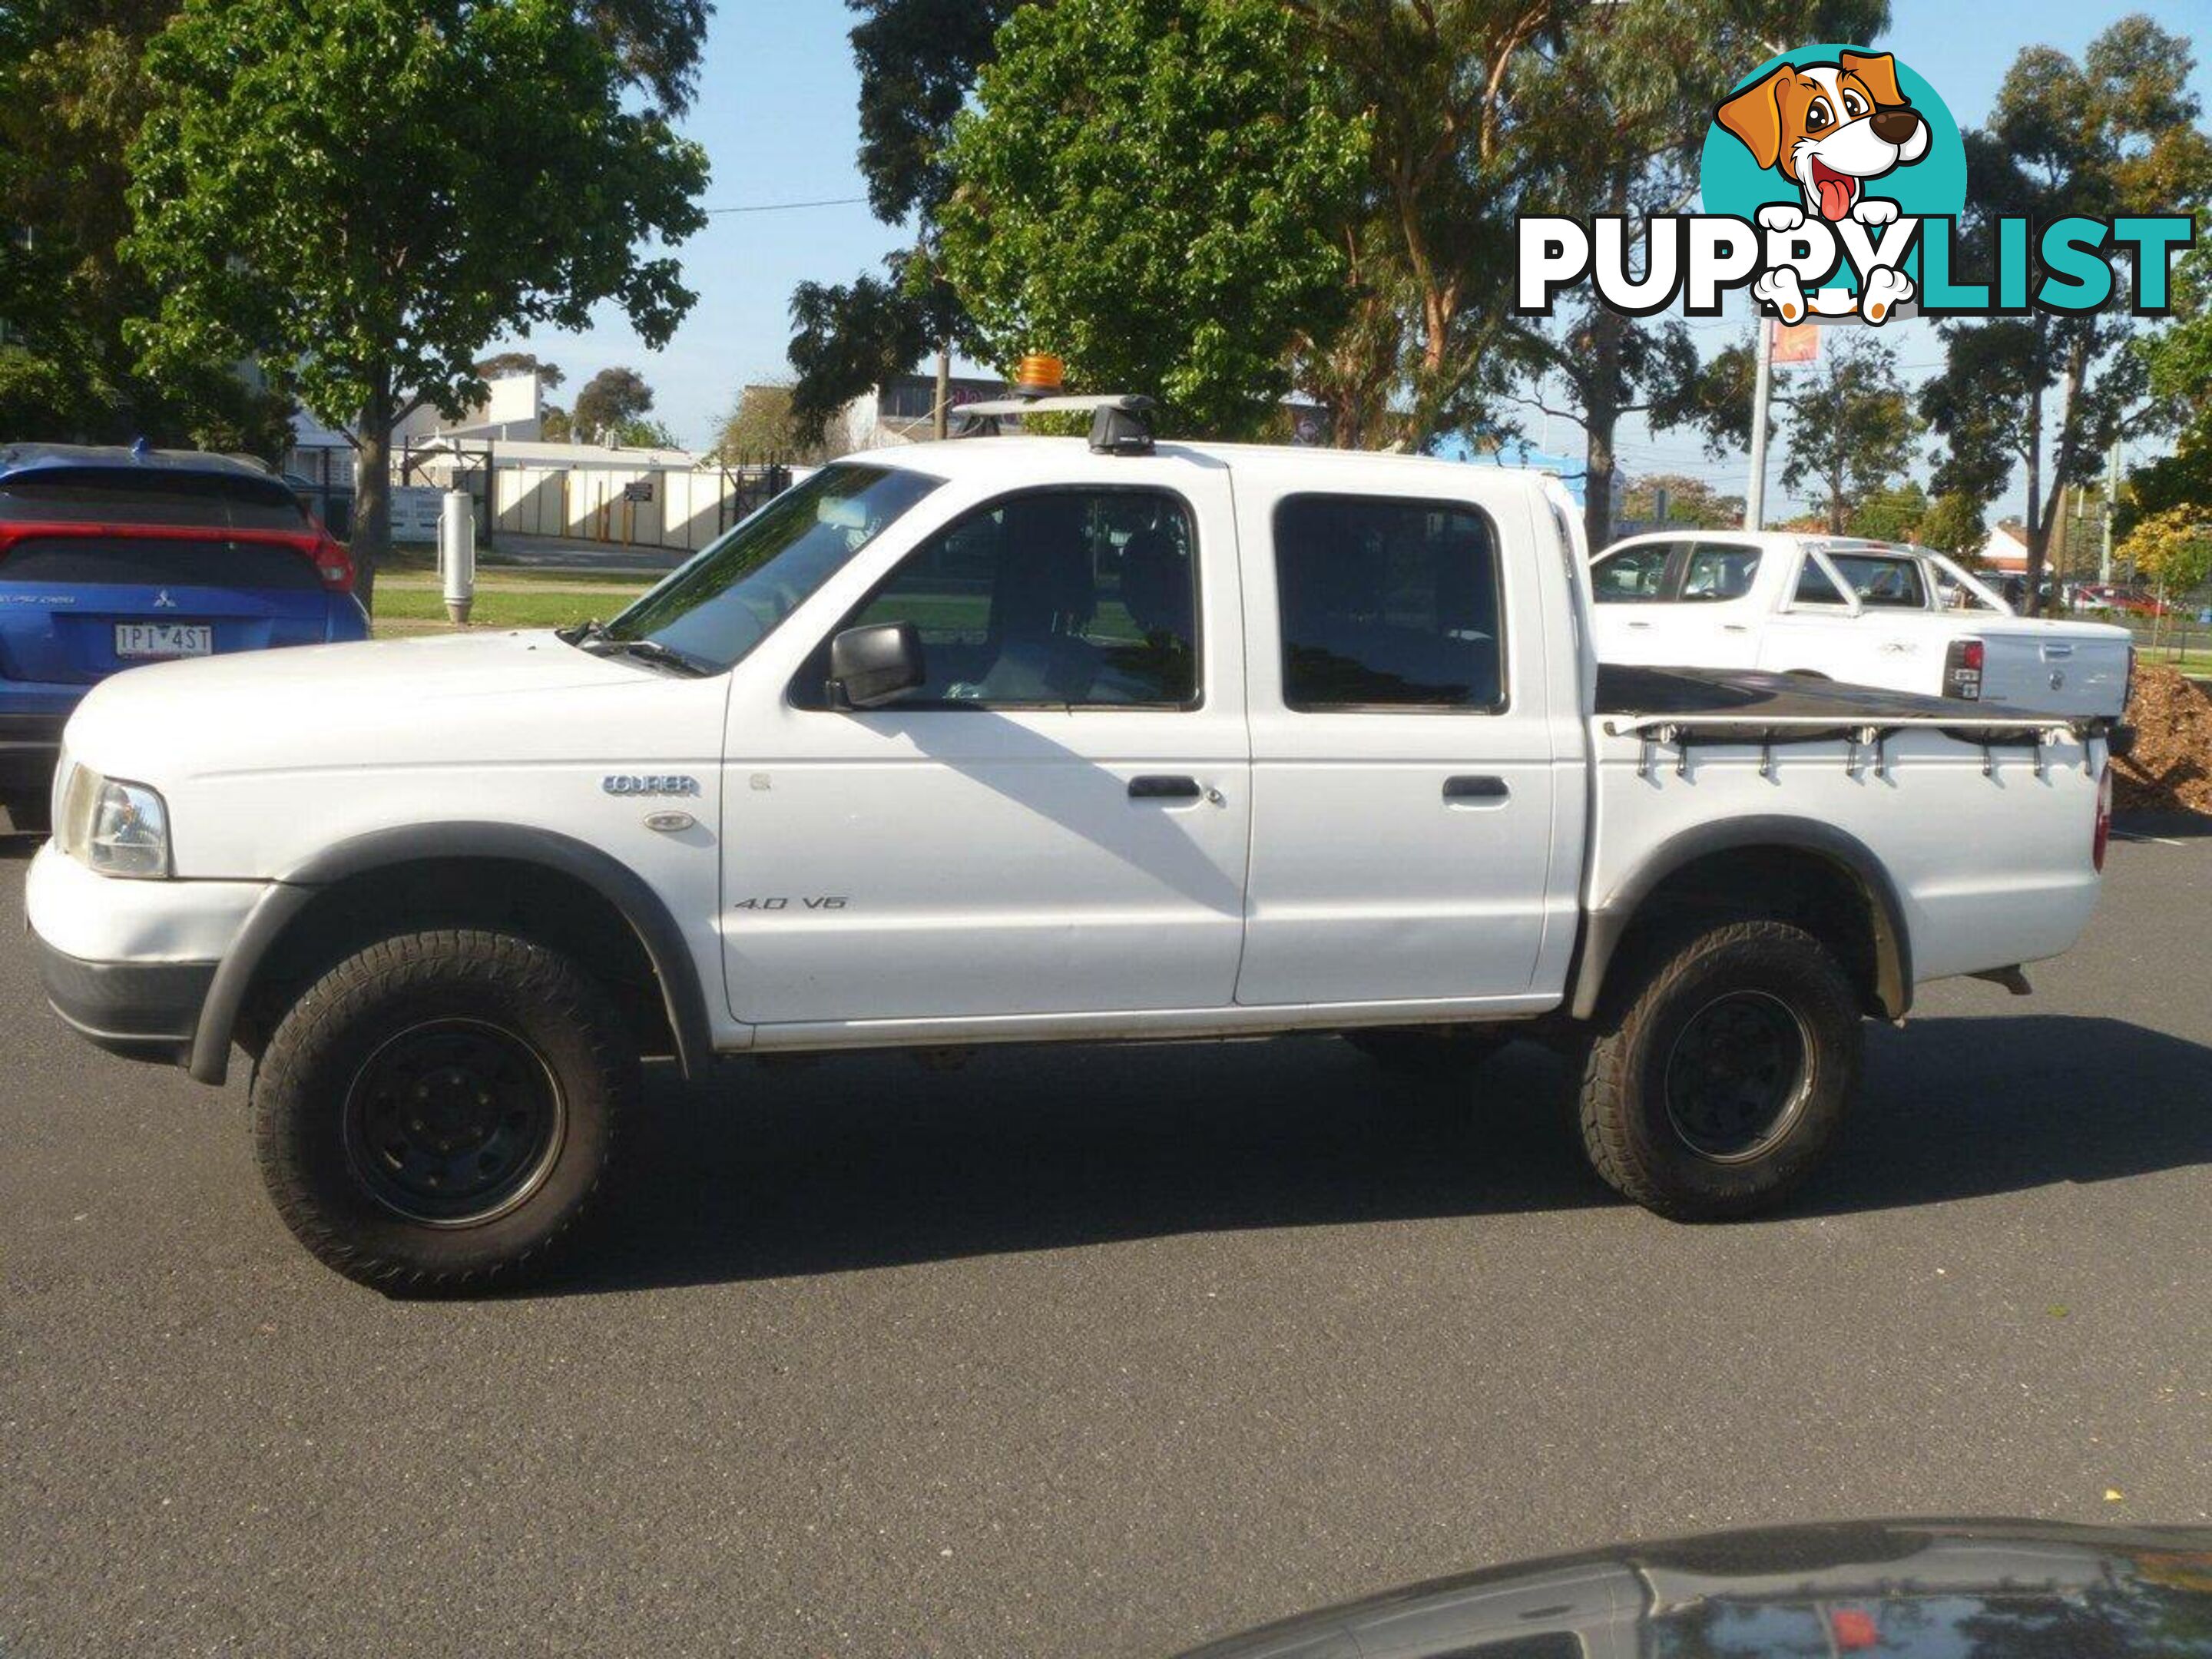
1827	128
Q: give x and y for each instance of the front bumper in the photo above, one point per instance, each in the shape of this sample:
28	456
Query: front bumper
141	1010
129	963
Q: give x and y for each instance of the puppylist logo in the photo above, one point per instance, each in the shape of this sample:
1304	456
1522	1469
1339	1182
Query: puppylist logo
1833	179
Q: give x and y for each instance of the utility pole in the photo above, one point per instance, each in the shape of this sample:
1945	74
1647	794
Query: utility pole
1762	384
2111	501
941	416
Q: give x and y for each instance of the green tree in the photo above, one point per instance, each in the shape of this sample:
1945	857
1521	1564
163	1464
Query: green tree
848	340
1613	120
2172	548
1689	501
1154	189
2047	393
73	92
1851	427
2178	359
608	399
639	433
1954	526
374	244
1891	512
520	363
918	60
760	428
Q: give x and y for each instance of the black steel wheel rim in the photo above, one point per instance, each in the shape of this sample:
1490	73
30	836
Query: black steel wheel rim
454	1122
1738	1075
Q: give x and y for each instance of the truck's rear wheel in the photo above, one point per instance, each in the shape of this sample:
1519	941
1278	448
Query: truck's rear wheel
1721	1071
435	1113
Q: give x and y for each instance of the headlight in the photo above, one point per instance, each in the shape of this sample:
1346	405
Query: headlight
113	828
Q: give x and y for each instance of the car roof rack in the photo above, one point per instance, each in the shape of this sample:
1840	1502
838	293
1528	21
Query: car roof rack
1120	421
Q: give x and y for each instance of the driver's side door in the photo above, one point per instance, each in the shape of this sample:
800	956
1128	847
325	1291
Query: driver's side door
1054	822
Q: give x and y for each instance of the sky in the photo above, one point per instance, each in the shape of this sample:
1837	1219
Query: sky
776	112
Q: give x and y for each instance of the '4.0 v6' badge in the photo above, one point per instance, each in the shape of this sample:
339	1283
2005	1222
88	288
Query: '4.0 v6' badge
631	784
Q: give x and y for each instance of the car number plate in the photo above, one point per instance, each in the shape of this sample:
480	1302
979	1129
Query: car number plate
164	639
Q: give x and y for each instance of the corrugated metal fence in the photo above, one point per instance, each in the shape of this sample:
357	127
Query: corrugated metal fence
624	507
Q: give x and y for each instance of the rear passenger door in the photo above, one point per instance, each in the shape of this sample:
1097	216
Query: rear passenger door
1714	616
1628	593
1402	771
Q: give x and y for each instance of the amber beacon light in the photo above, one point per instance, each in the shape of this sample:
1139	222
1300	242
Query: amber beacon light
1039	376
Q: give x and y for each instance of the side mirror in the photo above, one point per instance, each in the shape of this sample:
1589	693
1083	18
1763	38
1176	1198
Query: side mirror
873	666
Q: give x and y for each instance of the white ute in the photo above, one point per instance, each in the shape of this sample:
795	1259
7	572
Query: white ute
1864	613
1019	739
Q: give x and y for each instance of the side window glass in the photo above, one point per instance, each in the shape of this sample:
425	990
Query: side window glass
1717	572
1633	576
1062	598
1388	604
1891	582
1814	587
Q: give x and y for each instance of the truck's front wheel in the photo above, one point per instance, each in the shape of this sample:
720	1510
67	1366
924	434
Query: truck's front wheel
1722	1071
435	1113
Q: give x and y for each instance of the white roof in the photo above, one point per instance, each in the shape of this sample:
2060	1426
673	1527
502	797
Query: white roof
1017	458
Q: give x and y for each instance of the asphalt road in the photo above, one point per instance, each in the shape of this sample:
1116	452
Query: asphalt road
1095	1351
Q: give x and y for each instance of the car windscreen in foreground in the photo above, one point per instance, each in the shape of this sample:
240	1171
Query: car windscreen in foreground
730	598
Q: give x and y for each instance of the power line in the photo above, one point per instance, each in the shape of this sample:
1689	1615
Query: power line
789	207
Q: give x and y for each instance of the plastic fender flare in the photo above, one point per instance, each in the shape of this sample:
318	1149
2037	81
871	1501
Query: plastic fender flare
628	892
1609	923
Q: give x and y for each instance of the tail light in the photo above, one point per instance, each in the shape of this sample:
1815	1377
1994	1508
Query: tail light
2128	692
1962	669
2102	840
333	563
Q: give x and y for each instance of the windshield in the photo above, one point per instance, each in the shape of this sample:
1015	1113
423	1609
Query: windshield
725	602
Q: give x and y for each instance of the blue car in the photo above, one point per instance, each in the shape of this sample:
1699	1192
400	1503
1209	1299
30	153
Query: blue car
113	557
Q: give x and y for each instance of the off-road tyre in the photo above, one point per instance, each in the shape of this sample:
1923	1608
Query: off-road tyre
1677	999
323	1087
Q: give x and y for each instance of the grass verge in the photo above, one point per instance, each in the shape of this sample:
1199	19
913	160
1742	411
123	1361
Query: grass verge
410	607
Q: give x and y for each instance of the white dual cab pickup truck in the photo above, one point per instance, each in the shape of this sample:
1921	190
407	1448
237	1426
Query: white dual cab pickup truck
1864	613
1017	739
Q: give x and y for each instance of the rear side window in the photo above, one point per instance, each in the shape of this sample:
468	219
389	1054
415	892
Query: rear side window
1883	581
173	500
1632	576
1388	604
157	562
1719	571
1814	587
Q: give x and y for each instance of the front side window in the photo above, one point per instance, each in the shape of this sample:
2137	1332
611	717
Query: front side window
1080	598
725	601
1635	576
1719	571
1388	604
1881	580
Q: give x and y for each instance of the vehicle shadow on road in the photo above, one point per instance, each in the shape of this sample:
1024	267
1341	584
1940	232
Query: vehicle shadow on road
867	1161
1959	1108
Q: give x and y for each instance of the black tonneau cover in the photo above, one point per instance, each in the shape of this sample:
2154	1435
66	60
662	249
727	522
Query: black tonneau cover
1741	699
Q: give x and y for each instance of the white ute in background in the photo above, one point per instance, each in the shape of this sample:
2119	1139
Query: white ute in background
1022	739
1859	613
